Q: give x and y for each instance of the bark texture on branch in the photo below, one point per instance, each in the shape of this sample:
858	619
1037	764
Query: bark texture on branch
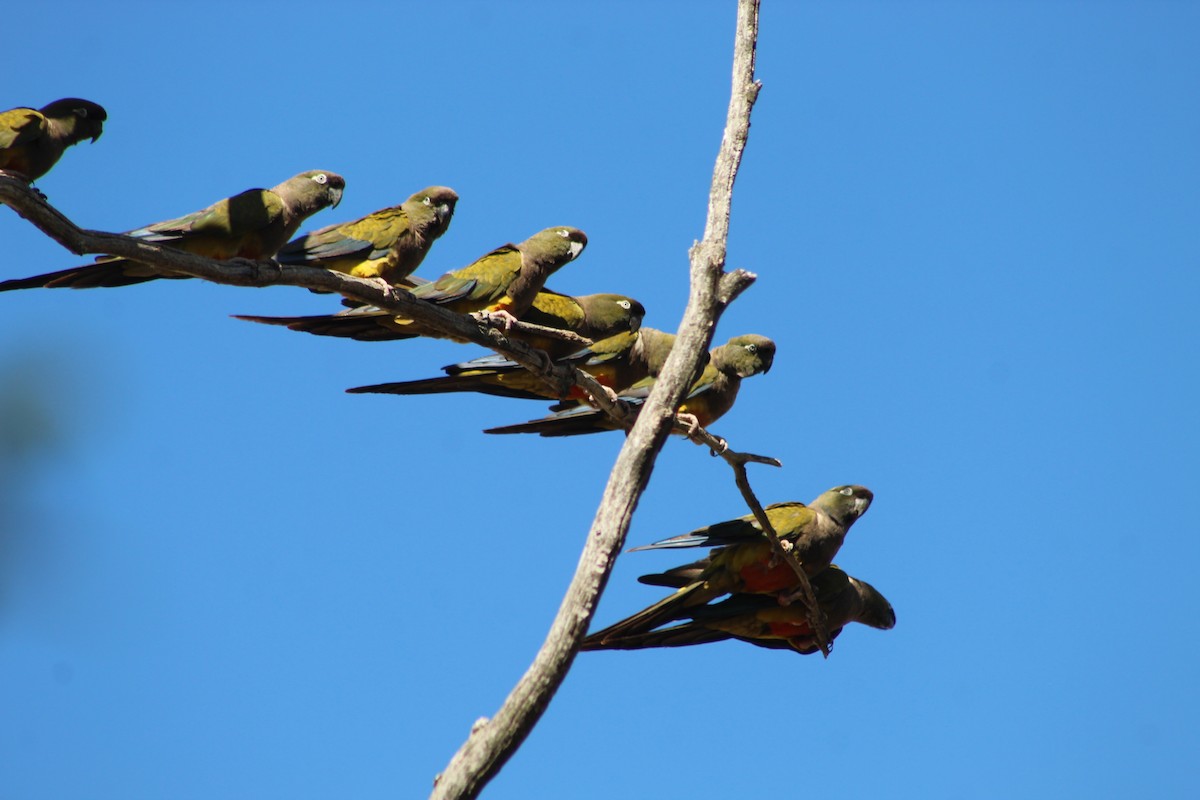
492	742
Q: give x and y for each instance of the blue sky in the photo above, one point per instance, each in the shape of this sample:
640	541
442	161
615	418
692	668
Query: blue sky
975	232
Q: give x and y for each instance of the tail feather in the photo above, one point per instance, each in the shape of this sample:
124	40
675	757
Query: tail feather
452	383
345	327
676	577
678	636
671	608
106	274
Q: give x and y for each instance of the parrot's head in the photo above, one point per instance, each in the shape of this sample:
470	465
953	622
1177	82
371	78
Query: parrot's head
555	246
845	503
309	192
610	314
876	610
441	199
82	119
745	355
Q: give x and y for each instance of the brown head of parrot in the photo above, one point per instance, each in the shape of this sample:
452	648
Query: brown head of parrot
33	140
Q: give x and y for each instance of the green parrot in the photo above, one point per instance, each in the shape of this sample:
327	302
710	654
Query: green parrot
388	244
744	562
708	398
616	362
253	224
501	284
762	621
32	141
592	316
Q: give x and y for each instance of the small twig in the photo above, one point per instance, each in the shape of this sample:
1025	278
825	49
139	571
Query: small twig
737	461
816	617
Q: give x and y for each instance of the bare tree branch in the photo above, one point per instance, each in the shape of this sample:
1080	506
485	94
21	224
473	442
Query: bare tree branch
16	194
492	742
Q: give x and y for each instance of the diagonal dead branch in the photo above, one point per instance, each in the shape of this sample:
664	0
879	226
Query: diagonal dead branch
493	742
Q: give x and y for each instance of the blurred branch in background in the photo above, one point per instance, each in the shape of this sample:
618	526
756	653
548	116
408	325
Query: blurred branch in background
33	432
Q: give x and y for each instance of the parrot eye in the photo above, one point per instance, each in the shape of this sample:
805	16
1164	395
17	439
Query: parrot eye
81	112
321	178
427	201
847	490
752	348
566	234
624	304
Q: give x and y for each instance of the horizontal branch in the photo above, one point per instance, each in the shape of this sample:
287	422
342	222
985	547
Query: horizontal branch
16	194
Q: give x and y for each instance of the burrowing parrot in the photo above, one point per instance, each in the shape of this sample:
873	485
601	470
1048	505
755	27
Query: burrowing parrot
253	224
708	398
501	284
744	562
592	316
762	621
616	362
32	141
388	244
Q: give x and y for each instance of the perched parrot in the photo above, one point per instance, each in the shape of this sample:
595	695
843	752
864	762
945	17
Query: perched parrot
32	141
592	316
762	621
709	397
745	562
502	283
253	224
616	362
388	244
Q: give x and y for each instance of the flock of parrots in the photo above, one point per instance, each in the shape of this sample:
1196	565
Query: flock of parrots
740	590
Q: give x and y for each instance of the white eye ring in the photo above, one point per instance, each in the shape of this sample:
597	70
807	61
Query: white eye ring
321	178
625	304
563	232
427	201
751	348
81	112
847	490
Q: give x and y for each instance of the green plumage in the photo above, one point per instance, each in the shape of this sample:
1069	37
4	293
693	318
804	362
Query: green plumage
388	244
708	398
253	224
745	561
32	141
761	620
616	362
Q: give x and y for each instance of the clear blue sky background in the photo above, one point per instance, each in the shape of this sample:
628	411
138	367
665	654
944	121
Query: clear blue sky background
975	227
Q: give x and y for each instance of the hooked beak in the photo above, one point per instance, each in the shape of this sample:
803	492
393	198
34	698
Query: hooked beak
576	248
336	194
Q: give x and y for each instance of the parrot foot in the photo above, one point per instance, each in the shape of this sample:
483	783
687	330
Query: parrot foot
501	318
720	449
787	598
776	557
610	394
17	176
257	265
545	362
689	421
